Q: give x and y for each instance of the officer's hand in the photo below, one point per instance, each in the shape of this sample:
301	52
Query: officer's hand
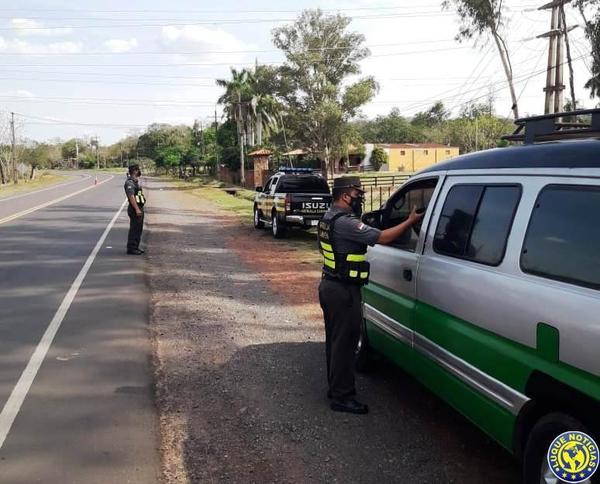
415	217
138	212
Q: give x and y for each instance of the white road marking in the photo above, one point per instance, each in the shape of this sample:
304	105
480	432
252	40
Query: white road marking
51	202
83	177
19	393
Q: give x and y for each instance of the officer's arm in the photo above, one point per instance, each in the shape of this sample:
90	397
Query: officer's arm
134	204
387	236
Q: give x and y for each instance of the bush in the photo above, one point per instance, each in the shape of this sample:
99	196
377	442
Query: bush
378	158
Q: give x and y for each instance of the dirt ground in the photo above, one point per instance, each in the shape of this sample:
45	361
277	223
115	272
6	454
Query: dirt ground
239	357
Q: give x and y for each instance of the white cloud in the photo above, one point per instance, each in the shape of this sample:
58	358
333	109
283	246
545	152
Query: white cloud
121	45
24	93
30	27
18	46
210	43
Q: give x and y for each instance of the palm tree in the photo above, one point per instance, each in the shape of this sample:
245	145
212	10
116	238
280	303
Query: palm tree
238	93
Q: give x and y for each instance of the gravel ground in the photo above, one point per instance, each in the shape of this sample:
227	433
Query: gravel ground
240	370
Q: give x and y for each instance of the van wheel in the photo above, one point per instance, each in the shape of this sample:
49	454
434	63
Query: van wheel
277	227
535	462
258	223
363	356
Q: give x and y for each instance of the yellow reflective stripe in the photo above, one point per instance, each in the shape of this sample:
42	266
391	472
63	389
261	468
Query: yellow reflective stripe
364	275
328	255
327	247
329	263
353	273
355	258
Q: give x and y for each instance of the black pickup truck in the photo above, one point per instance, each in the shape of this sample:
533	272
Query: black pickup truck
291	198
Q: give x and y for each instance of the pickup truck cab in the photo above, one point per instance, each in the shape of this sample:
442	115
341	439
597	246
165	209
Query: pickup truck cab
291	198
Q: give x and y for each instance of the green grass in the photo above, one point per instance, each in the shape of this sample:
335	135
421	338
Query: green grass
240	204
42	180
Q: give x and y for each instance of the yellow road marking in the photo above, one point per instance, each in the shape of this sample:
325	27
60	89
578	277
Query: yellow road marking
51	202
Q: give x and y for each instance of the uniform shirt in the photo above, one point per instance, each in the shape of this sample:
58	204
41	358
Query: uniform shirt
350	235
131	187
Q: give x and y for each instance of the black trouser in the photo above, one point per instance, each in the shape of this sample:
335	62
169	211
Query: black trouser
136	225
341	304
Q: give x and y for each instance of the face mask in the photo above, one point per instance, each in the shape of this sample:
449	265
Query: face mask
356	204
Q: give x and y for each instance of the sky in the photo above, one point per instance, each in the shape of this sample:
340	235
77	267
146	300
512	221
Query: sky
109	68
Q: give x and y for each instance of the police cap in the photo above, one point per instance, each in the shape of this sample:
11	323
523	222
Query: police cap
347	182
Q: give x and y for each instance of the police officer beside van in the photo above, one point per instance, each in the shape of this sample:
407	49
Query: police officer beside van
135	210
343	240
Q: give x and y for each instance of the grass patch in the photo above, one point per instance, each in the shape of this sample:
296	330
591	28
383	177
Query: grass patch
240	204
42	180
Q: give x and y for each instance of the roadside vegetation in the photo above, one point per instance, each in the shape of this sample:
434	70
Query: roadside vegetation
44	179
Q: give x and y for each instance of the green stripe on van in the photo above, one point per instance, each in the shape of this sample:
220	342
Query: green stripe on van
503	359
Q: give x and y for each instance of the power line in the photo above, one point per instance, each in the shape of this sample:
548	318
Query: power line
198	52
229	22
213	64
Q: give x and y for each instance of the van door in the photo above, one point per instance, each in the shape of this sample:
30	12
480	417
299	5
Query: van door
389	298
465	285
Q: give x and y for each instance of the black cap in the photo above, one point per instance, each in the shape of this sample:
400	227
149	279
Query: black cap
347	182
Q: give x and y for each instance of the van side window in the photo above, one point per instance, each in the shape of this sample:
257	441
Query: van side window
476	221
563	237
399	207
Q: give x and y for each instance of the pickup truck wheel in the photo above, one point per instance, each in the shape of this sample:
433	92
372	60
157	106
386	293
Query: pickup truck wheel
535	459
277	227
258	223
363	355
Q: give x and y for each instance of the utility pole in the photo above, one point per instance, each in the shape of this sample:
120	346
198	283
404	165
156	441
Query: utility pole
557	38
13	147
76	153
217	138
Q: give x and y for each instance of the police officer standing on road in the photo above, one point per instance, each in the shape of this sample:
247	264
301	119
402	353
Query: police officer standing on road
136	198
343	241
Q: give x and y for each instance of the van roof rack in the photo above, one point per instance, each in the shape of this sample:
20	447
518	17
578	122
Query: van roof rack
550	127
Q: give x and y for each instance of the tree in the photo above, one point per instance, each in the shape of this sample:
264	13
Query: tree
169	146
433	117
481	17
378	158
592	32
473	134
320	56
392	128
237	101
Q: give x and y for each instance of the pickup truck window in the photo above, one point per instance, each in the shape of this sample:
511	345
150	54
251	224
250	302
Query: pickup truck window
303	184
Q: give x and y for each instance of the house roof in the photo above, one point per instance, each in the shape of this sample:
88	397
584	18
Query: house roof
414	146
261	152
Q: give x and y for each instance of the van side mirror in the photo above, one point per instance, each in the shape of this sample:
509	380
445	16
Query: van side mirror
259	189
373	219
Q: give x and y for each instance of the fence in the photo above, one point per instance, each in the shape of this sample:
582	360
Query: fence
378	188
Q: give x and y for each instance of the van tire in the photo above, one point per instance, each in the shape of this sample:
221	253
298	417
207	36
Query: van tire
278	228
363	356
541	436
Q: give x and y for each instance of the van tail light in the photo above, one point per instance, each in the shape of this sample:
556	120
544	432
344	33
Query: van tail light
288	203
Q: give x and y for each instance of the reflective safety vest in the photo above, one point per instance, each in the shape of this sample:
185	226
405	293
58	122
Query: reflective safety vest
346	267
140	199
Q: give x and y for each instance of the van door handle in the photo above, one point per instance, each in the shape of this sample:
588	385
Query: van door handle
407	274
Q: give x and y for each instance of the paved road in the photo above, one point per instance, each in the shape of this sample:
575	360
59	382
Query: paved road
88	415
